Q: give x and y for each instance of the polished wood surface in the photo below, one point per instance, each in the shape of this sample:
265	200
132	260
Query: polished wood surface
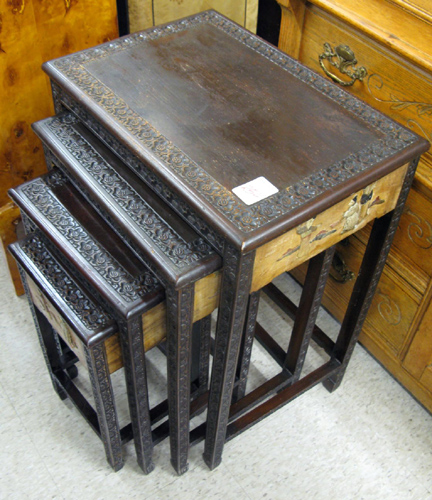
175	74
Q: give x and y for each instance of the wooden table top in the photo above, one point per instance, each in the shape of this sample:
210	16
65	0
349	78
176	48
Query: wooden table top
209	107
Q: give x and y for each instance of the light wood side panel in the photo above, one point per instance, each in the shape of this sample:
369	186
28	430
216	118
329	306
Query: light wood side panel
154	328
290	35
326	229
154	321
56	320
206	298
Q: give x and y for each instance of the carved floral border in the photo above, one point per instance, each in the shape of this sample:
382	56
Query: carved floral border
245	218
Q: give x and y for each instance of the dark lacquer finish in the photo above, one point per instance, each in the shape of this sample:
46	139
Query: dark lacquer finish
176	254
183	98
181	106
123	283
92	326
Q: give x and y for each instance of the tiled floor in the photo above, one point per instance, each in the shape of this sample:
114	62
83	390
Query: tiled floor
368	440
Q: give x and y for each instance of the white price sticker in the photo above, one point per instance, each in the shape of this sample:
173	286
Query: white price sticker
255	191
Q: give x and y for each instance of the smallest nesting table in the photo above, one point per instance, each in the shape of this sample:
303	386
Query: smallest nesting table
268	161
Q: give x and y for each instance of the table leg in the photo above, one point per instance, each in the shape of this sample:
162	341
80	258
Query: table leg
46	336
305	319
201	338
180	305
236	283
132	344
246	346
374	259
105	404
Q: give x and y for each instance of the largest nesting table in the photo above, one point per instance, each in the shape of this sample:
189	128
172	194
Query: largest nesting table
268	161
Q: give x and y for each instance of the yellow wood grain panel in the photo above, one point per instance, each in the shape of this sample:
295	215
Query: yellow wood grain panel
154	321
146	13
395	28
291	27
56	320
32	32
337	222
392	85
24	96
206	295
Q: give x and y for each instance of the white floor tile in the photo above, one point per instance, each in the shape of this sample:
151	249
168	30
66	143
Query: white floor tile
367	441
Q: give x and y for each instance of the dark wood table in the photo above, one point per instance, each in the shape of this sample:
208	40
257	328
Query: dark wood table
200	107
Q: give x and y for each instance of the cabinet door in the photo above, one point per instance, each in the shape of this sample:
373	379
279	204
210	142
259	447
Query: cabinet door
418	359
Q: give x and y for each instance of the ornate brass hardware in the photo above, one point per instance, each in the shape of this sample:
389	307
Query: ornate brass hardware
340	271
345	60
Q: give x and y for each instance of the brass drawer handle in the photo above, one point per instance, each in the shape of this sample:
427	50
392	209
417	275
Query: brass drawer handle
340	271
345	59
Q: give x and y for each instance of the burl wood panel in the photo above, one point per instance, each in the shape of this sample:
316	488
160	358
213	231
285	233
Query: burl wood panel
9	226
32	32
330	226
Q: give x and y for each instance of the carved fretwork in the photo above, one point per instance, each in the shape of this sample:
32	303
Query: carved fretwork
245	218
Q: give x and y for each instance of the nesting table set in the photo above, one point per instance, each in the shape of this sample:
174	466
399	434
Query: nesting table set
190	165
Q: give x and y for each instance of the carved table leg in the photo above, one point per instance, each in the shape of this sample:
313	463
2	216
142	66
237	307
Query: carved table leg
201	337
246	346
105	405
378	247
47	339
179	345
305	319
236	282
131	337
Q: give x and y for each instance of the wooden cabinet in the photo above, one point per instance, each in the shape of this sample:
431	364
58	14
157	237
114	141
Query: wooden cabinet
381	51
32	32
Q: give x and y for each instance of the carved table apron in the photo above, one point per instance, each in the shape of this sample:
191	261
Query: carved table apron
200	107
